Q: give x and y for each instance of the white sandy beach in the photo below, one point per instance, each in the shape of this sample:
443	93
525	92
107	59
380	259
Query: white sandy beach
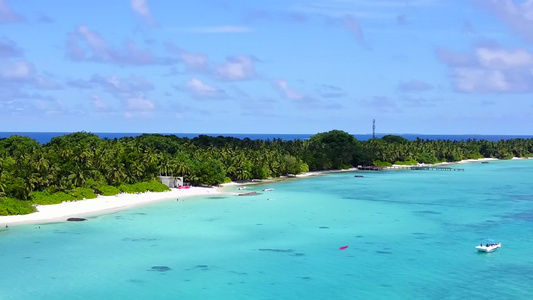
102	204
464	161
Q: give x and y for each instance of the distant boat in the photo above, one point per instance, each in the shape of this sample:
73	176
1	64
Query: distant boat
268	189
242	188
488	246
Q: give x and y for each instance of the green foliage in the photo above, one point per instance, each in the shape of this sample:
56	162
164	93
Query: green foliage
141	187
475	156
210	172
154	186
291	165
95	183
380	163
44	198
107	190
83	160
10	206
14	187
303	168
82	193
333	149
395	139
260	172
17	145
406	163
427	157
130	188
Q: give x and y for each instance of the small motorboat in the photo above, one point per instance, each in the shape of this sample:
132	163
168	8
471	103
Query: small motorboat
268	189
242	188
488	246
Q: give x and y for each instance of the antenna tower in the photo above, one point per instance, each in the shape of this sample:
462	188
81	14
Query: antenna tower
374	128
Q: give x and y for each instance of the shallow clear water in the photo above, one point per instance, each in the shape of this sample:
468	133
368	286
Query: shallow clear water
411	235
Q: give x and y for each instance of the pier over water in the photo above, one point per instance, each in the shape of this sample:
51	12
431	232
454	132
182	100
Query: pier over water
426	168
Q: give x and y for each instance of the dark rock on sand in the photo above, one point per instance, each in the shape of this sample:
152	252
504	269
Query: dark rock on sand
76	219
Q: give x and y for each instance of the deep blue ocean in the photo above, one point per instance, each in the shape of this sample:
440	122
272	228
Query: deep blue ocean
45	137
410	235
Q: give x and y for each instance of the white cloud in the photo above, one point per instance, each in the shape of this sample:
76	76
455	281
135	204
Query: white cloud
480	80
142	9
125	86
21	70
84	44
139	107
202	90
288	92
139	103
195	61
516	14
490	70
503	59
236	68
99	104
97	44
22	76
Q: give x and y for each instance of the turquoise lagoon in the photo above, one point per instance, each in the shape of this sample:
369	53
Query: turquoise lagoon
411	235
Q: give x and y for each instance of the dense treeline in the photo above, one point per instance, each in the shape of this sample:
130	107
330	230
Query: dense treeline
81	164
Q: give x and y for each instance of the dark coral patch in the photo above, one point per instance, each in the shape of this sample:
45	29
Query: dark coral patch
427	212
160	269
278	250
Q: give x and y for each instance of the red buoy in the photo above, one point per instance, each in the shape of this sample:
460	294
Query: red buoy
343	247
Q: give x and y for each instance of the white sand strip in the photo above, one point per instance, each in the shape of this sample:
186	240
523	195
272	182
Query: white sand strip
102	204
464	161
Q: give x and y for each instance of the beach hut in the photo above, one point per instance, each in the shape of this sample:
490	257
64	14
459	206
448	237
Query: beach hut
171	182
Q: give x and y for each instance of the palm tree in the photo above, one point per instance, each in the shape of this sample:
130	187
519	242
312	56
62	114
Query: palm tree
78	176
115	173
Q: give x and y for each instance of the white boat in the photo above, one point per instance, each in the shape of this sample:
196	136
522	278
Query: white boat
488	246
242	188
268	189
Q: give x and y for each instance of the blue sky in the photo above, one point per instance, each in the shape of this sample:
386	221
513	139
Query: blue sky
276	66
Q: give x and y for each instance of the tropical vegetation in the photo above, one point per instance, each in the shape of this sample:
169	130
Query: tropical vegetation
82	165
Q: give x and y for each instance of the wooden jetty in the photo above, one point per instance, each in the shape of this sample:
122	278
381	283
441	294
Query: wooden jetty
426	168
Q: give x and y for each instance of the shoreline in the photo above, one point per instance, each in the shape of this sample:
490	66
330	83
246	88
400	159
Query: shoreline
101	205
106	204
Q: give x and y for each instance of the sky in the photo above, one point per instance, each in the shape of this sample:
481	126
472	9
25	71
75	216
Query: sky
267	66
